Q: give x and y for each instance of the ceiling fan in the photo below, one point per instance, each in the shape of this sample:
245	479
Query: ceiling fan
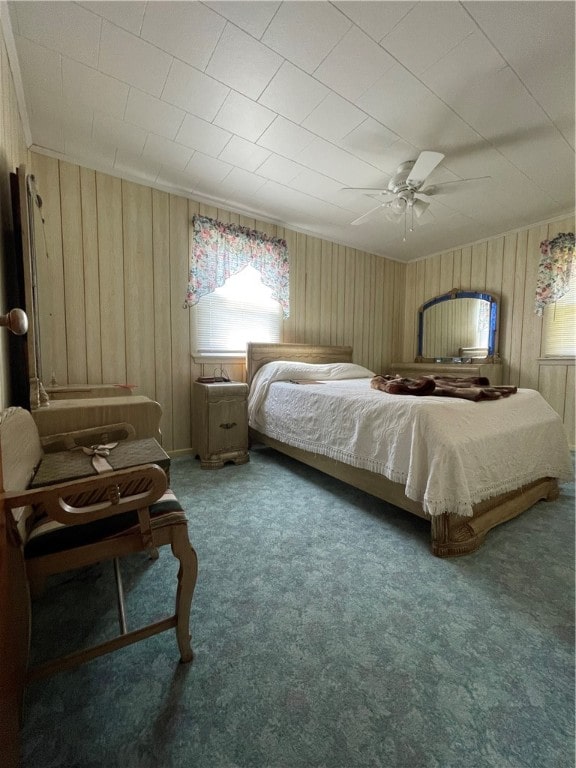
405	188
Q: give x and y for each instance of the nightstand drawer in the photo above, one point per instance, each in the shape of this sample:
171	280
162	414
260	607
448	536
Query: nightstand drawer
227	427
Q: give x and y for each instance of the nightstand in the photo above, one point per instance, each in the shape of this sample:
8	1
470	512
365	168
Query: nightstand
220	423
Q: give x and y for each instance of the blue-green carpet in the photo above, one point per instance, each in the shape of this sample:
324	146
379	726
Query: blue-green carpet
326	636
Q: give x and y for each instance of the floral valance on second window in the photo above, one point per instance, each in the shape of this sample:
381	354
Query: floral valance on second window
221	250
555	269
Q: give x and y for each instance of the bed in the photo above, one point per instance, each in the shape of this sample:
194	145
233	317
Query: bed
464	466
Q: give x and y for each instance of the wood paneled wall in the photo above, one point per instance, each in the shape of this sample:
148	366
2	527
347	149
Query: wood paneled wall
113	282
117	267
13	152
507	267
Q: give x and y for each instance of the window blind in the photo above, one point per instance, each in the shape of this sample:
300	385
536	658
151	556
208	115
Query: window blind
241	310
559	326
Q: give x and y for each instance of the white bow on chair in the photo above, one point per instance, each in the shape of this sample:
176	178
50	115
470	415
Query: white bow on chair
98	453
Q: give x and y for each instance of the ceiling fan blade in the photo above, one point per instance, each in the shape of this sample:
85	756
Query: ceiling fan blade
372	190
423	167
364	216
438	188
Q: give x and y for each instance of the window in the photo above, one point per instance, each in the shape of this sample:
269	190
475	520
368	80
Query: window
559	327
239	311
239	285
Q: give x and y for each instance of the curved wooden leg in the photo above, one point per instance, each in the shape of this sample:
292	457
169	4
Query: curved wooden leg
187	574
452	535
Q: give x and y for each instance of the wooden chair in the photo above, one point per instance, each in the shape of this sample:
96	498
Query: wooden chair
75	524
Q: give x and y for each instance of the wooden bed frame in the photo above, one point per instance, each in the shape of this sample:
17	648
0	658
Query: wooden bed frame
451	535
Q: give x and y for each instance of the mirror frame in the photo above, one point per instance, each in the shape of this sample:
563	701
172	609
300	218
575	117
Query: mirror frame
461	294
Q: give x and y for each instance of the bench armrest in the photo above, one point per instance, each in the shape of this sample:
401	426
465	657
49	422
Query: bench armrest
118	491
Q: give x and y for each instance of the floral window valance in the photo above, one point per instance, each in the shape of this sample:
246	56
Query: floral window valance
221	250
554	270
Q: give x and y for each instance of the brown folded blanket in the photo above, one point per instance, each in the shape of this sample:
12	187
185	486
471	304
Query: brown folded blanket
466	387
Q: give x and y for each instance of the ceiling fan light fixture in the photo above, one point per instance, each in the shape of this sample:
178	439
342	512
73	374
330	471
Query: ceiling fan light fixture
392	215
398	205
419	207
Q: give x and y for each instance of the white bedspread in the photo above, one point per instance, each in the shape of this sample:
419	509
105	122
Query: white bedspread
449	453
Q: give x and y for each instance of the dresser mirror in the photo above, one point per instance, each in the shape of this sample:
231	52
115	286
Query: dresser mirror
458	327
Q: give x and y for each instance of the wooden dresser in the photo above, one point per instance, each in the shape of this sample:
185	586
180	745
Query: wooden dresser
220	423
81	413
493	371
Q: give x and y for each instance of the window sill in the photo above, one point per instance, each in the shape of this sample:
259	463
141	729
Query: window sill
567	360
220	358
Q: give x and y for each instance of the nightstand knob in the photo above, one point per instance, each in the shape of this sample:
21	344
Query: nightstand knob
228	425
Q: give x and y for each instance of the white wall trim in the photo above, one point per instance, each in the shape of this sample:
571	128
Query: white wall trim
10	42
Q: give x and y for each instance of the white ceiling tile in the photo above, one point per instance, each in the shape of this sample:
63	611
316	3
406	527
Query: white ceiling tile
286	201
279	169
41	71
109	132
286	138
135	165
469	61
128	15
428	32
377	19
371	141
316	184
133	60
175	181
207	169
241	181
244	117
305	33
544	158
86	88
243	63
337	164
399	100
167	152
78	125
549	77
334	118
293	93
90	154
243	154
203	136
188	31
46	129
349	74
566	124
494	101
251	17
63	27
192	90
153	115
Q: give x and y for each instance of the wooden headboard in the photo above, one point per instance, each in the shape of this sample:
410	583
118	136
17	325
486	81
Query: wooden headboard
260	353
